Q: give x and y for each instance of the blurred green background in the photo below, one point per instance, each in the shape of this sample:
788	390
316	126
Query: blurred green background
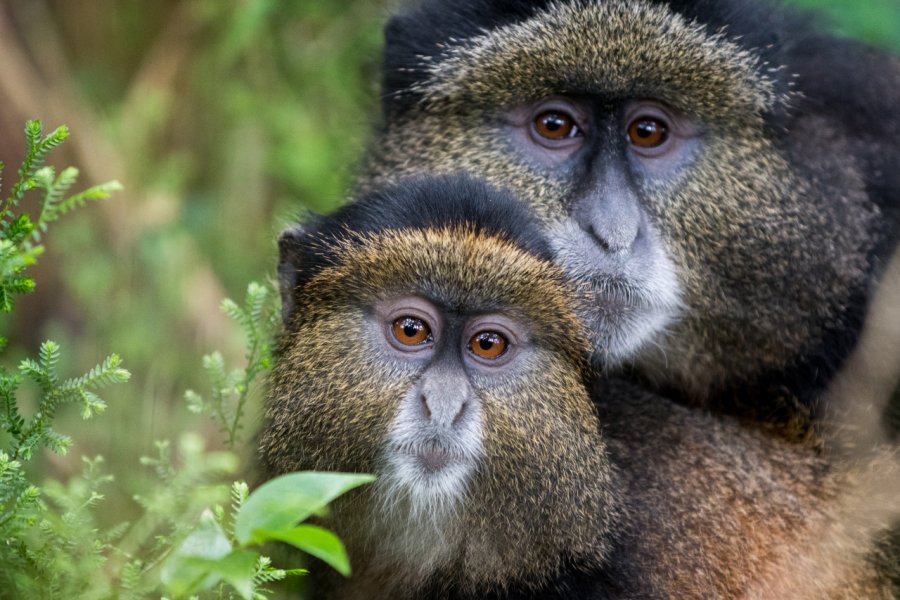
224	120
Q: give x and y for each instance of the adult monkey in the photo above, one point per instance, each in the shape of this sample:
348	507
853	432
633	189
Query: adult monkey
725	175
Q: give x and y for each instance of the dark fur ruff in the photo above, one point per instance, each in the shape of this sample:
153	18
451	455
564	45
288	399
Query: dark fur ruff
457	202
778	230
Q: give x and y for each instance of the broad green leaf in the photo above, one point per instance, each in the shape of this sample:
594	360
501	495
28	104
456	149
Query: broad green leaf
285	501
314	540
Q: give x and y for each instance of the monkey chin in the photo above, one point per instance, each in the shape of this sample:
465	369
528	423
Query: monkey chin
426	469
626	300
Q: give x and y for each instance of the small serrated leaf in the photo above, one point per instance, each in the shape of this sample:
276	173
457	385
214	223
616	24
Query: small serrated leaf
194	401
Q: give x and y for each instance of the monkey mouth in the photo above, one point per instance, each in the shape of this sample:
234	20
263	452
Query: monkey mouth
431	456
429	465
433	460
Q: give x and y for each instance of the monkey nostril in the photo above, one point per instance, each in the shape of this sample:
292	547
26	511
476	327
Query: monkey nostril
602	236
600	240
614	239
425	407
459	414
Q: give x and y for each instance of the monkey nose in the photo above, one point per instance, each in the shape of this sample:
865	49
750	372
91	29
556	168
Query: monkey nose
611	214
445	408
444	395
614	224
615	238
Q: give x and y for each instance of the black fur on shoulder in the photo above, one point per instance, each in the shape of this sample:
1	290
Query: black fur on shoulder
426	202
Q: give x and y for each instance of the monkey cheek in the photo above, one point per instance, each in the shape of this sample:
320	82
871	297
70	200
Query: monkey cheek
626	300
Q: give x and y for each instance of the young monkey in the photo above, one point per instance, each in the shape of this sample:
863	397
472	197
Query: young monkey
429	340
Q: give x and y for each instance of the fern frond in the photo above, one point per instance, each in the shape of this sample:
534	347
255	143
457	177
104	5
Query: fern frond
104	374
33	132
98	192
49	355
239	492
231	309
35	153
10	418
31	369
43	178
91	404
194	402
265	573
57	442
257	295
54	189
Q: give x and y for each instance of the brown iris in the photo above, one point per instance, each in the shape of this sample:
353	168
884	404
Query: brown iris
488	344
411	331
648	132
555	125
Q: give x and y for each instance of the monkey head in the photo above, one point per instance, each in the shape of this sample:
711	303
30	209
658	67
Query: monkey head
699	164
429	340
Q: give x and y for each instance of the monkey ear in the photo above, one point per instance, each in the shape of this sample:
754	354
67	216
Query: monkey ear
290	251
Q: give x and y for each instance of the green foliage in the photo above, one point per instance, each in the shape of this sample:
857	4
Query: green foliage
18	233
39	547
213	554
219	551
52	542
258	319
873	21
26	438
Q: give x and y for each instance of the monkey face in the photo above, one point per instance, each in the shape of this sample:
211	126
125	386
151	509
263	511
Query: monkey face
449	363
436	439
656	152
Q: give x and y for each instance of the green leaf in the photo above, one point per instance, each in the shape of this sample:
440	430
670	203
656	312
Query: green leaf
319	542
285	501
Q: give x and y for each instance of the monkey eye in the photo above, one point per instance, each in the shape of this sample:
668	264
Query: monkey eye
411	331
556	125
488	345
648	132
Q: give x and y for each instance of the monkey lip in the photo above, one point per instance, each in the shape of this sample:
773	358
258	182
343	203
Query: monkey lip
432	456
433	459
